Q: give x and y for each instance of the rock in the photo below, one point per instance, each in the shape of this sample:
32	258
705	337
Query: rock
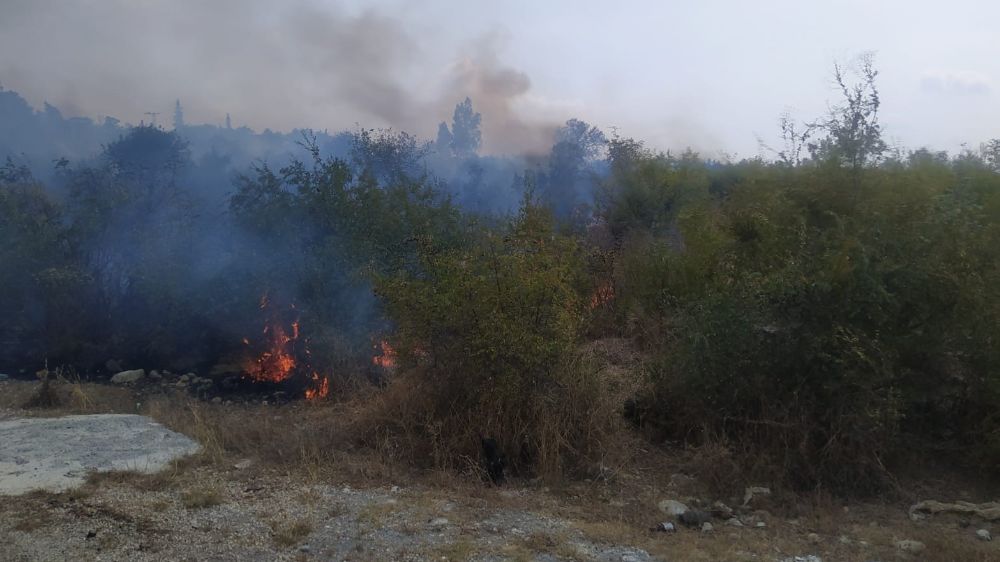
55	454
990	511
707	527
666	527
694	517
673	508
983	535
394	489
721	510
184	379
438	522
243	464
806	558
844	539
813	538
217	400
128	377
760	525
306	549
910	546
734	522
754	491
4	377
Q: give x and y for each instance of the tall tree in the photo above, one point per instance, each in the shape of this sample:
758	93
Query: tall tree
178	116
466	136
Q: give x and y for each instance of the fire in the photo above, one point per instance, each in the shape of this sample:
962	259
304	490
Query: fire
603	294
387	360
277	362
320	388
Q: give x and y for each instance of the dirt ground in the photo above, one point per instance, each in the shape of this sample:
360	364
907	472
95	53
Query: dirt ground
273	483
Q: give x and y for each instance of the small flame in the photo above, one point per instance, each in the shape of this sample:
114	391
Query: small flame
603	294
387	360
320	388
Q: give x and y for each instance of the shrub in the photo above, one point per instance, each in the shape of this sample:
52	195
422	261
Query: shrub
486	338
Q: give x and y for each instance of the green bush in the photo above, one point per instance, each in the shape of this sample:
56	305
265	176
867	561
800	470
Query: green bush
486	337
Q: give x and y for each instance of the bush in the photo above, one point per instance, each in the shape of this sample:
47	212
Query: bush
829	327
486	338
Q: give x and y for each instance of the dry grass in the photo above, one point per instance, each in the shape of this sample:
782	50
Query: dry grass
201	497
291	533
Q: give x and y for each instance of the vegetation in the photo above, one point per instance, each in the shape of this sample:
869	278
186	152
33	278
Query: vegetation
820	319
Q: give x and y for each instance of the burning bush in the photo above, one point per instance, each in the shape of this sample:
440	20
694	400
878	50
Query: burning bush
485	340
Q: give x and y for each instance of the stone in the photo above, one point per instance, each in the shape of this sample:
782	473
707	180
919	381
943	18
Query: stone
4	377
243	464
990	511
813	538
305	549
673	507
694	517
721	510
438	522
753	492
128	377
910	546
734	522
666	527
707	527
806	558
760	525
56	454
184	379
983	535
217	400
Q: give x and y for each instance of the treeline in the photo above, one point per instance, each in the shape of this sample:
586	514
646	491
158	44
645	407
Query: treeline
817	319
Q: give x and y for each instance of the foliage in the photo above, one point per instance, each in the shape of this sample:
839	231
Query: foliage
487	333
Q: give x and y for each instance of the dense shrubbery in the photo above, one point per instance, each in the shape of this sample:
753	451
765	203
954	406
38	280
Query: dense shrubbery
488	335
829	324
819	318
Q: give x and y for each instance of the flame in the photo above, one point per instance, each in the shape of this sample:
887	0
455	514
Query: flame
603	294
320	388
387	360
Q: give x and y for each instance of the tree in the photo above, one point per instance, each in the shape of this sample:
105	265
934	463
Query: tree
444	138
178	116
466	136
854	134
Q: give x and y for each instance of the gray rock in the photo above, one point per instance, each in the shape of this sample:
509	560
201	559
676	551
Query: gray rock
760	525
813	538
56	454
154	376
438	522
243	464
217	400
707	527
734	522
806	558
673	508
128	377
753	492
910	546
666	527
984	535
694	517
721	510
306	549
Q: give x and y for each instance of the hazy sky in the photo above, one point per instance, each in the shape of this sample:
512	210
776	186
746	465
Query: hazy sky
712	74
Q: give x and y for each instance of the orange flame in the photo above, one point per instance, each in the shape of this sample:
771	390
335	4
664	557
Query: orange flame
387	360
603	294
320	388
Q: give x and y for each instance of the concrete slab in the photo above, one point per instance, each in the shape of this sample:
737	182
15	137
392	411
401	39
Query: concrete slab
56	454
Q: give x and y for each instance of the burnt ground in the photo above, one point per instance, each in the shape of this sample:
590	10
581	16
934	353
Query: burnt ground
282	491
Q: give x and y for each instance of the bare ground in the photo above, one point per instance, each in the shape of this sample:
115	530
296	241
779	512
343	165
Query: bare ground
276	483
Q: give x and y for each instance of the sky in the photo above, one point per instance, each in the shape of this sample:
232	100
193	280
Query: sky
714	75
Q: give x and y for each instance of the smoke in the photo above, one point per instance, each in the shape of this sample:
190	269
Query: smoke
269	64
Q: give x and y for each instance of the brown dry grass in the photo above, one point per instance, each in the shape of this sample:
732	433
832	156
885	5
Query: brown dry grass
291	533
